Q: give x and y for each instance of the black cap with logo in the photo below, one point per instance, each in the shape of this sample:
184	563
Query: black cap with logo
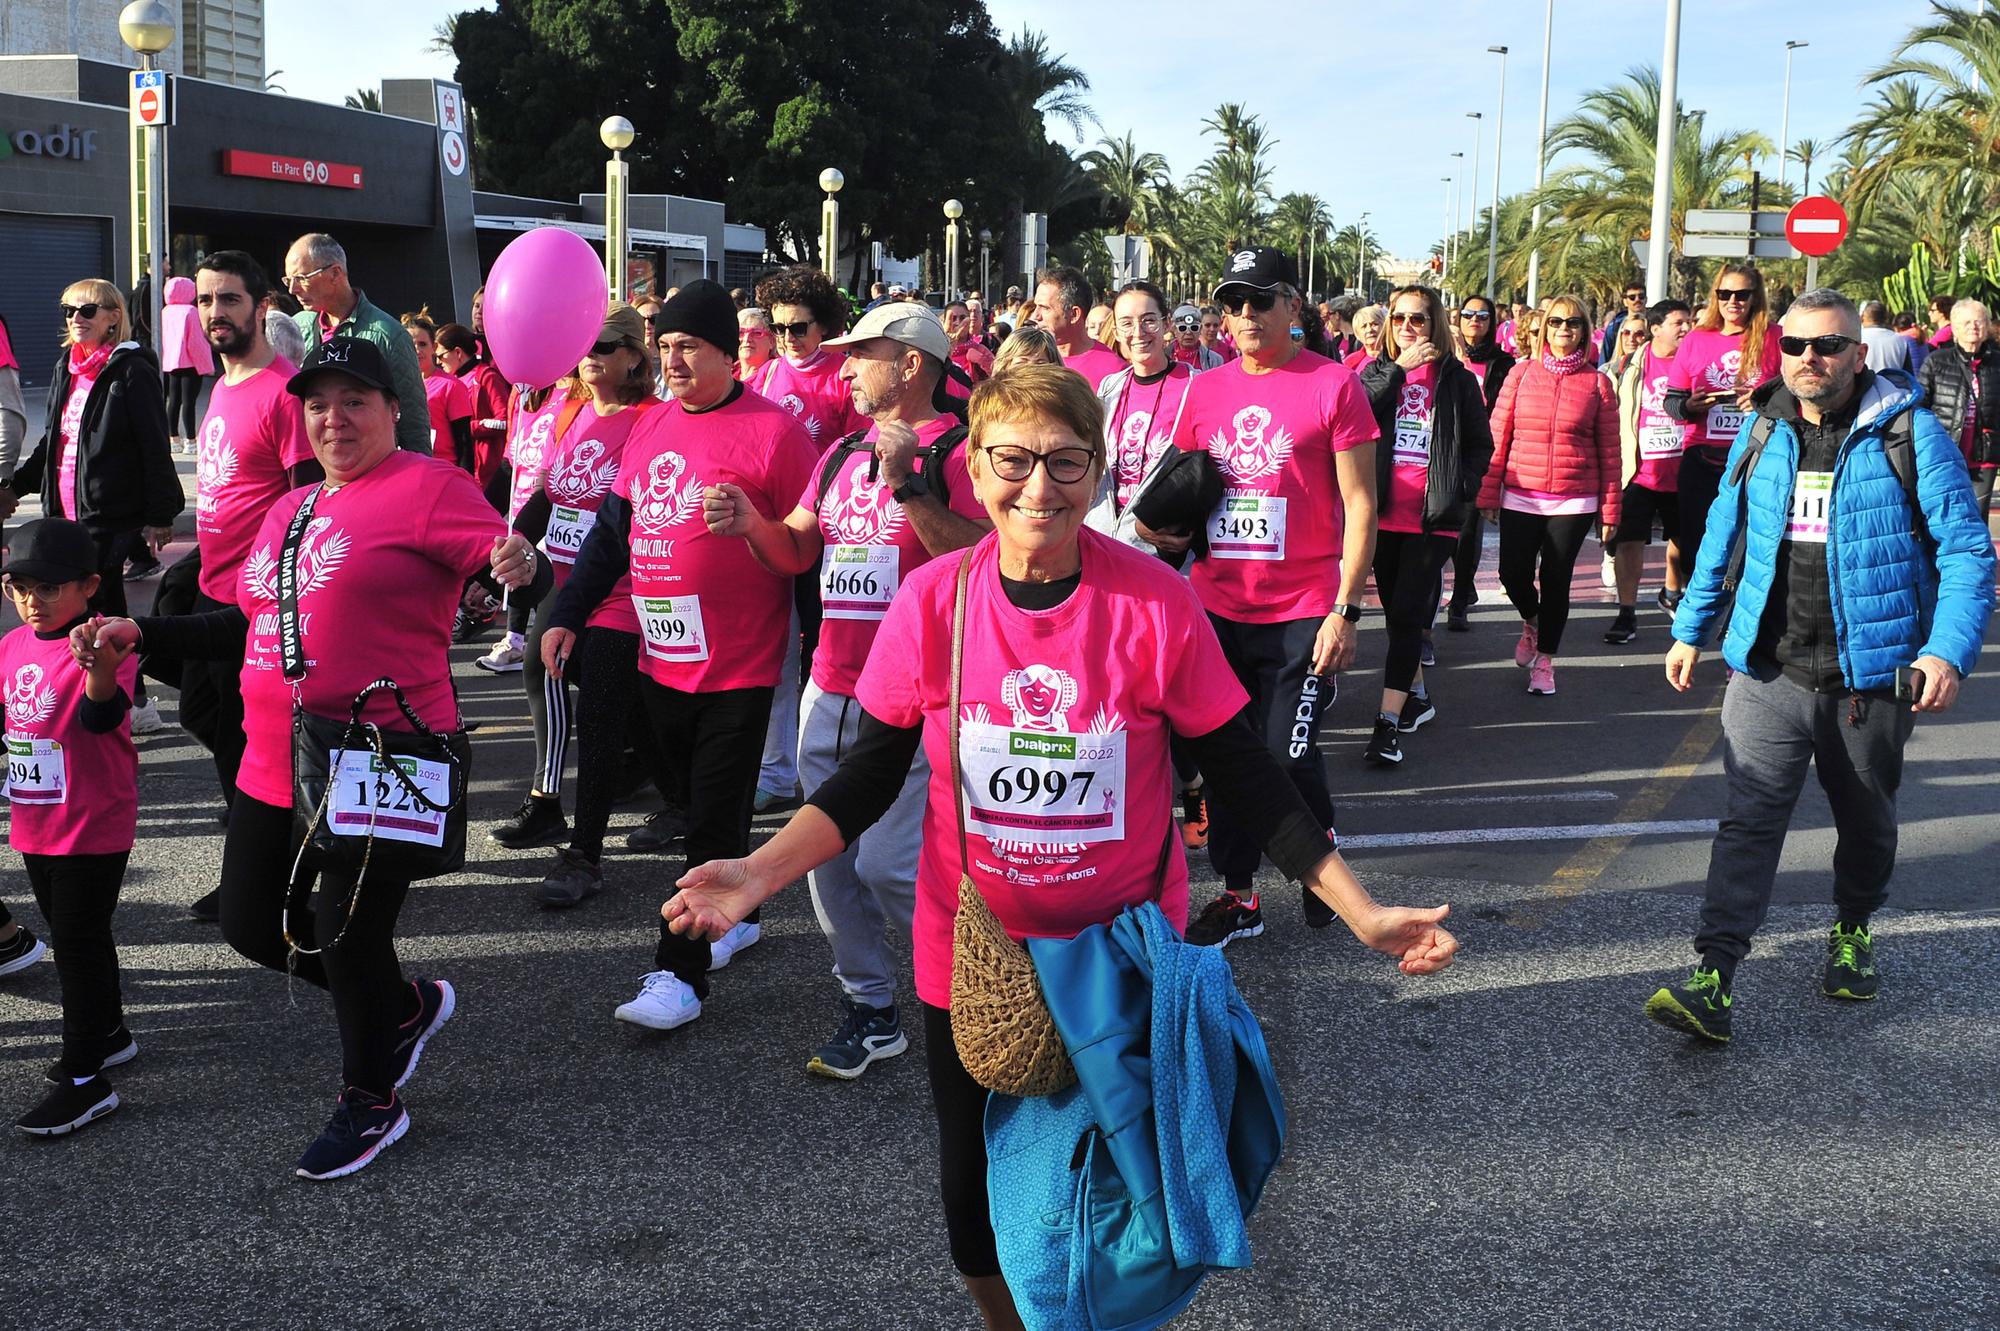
355	357
1259	268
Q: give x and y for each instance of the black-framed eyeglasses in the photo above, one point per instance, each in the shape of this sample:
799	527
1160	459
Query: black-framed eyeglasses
1738	295
793	331
1066	466
1576	323
1477	316
87	310
1241	303
296	280
1826	344
42	593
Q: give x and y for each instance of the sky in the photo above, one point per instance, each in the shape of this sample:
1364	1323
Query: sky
1375	94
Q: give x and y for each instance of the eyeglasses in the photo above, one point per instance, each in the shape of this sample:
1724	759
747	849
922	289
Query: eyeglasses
1066	466
606	348
1576	323
86	311
1635	295
1826	345
1737	295
793	331
42	593
1477	316
1241	303
296	280
1145	323
1412	318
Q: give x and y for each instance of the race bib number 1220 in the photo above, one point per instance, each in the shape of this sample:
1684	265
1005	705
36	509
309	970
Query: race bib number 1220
368	799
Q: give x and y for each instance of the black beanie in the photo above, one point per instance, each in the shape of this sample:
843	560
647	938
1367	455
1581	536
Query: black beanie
702	308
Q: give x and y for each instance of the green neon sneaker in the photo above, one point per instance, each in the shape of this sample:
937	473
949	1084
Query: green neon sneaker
1699	1006
1850	965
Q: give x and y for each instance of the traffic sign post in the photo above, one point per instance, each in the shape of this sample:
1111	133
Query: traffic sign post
1816	225
152	100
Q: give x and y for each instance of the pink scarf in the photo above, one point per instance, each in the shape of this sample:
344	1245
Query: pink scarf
7	361
88	361
1562	365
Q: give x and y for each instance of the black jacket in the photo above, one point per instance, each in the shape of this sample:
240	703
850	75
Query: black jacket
1461	439
125	476
1492	365
1946	378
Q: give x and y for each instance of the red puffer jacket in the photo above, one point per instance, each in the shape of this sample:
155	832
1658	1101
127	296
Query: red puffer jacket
1557	434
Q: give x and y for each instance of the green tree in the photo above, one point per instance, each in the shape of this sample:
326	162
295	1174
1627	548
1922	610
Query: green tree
364	99
1302	224
1129	181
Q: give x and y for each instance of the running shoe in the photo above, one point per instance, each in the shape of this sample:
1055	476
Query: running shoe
661	829
572	880
68	1107
1418	712
538	822
1542	674
504	659
1226	919
437	1001
1526	649
465	626
1850	965
207	907
866	1034
1457	619
146	719
1384	749
1607	571
1624	628
1700	1006
1668	601
21	951
1427	654
664	1001
1194	819
362	1127
724	949
123	1050
1318	914
772	801
136	569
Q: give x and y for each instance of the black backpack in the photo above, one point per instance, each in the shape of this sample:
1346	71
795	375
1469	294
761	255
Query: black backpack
933	456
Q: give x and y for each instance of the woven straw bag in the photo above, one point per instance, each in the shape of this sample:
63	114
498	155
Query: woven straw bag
1005	1036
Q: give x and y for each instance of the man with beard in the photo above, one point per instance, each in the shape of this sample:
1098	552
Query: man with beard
250	450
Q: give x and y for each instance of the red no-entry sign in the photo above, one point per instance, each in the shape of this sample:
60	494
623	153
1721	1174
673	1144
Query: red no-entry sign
1816	225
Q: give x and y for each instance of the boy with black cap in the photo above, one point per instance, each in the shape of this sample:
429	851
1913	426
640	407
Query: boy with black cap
73	780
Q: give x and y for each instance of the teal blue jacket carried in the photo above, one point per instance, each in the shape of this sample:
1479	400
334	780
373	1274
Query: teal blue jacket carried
1895	595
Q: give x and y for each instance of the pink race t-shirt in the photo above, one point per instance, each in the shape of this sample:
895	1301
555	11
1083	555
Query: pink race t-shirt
1064	722
530	435
813	393
1275	539
1140	426
1661	437
449	399
73	792
1095	364
710	616
1402	509
253	435
71	428
578	473
1709	360
381	568
870	550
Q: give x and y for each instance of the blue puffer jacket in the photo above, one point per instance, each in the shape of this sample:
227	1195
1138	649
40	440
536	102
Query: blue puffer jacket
1890	605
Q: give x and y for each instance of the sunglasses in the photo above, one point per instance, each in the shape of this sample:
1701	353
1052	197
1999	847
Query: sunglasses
1189	325
1066	466
1827	344
1576	323
606	348
1412	318
1739	295
88	311
793	331
1477	316
1243	304
1635	295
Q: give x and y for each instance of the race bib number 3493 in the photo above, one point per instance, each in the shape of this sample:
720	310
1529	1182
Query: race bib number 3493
672	628
1247	526
1042	788
368	798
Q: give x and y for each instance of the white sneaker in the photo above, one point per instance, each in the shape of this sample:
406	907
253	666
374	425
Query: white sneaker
727	946
1608	573
146	720
503	659
664	1002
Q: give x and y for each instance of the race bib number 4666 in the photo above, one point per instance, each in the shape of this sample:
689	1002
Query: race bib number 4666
1042	788
858	581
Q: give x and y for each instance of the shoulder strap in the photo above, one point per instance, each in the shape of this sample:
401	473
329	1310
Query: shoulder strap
957	670
1760	435
1899	445
934	457
830	465
290	645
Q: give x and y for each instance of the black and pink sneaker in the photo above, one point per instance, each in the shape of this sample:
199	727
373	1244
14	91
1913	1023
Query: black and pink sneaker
361	1128
436	1002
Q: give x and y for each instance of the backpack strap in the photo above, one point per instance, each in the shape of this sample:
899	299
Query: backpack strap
1739	476
836	457
1899	445
934	457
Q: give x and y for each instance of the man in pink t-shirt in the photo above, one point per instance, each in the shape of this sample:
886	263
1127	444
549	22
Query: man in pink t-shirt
1063	300
872	514
1653	445
1288	549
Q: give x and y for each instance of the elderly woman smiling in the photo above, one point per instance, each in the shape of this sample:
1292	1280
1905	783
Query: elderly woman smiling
1072	634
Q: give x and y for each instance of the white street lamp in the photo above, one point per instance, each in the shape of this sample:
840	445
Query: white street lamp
1785	117
616	133
1445	244
1472	181
147	26
1457	207
830	180
1493	219
953	210
985	265
1541	160
1361	256
1663	159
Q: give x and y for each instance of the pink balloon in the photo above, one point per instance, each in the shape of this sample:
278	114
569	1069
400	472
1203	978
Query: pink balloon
545	302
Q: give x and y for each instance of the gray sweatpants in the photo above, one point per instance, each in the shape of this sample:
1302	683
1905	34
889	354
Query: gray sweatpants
1770	732
778	772
865	895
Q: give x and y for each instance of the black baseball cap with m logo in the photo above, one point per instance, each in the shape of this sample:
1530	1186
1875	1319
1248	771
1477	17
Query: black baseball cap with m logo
355	357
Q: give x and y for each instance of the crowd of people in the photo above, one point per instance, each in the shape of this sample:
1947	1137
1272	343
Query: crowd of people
1038	597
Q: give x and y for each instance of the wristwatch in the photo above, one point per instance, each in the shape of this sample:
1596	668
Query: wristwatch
912	488
1350	613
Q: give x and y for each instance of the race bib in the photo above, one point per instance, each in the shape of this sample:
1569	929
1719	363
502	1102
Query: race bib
567	528
1661	440
1247	526
1810	494
1413	441
1042	788
1724	422
367	798
672	628
858	581
35	771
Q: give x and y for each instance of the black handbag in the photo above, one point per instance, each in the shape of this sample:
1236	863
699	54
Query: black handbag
365	797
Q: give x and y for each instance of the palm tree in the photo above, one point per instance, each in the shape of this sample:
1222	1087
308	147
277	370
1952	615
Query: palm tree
364	99
1302	222
1042	86
1354	243
1129	180
1803	152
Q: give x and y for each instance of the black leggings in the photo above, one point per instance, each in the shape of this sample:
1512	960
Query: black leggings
1700	478
370	997
1465	561
1525	539
548	708
607	697
77	894
960	1103
1273	663
212	707
183	393
1406	578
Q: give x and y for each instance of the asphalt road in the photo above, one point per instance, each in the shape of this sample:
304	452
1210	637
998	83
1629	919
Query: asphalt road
1509	1145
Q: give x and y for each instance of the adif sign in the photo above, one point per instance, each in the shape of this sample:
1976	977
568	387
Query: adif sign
64	141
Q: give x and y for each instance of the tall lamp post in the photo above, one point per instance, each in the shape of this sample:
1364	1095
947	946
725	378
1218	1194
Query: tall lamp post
1444	245
1478	119
1663	158
830	180
1541	160
1785	116
1493	218
953	210
617	134
1361	256
147	26
985	265
1457	207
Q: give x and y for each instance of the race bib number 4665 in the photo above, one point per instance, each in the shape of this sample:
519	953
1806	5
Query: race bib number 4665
1042	788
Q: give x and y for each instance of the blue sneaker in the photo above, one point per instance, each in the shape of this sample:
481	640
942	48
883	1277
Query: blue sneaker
436	1002
362	1126
868	1033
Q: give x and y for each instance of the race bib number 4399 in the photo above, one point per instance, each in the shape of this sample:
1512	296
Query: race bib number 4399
672	628
1042	788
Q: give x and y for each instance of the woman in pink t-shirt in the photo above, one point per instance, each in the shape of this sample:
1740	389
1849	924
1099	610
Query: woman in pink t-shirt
755	342
458	354
446	396
1086	654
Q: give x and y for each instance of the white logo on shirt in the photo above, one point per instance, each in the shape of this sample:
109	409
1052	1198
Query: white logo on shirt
1132	448
1250	456
795	404
863	512
321	553
536	441
1722	374
659	500
1039	696
28	703
588	473
1242	261
215	461
1655	400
